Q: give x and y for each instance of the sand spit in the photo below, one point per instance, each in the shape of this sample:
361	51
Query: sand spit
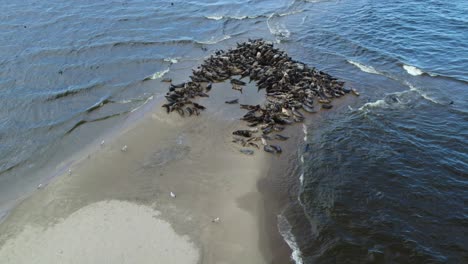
116	206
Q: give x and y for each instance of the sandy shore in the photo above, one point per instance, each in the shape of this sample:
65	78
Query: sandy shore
116	206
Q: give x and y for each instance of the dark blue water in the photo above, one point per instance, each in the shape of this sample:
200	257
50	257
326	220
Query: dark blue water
385	180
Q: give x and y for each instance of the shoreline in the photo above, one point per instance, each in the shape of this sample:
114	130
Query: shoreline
235	199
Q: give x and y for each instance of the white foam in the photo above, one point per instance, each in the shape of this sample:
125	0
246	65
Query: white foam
399	99
412	70
239	17
304	129
278	29
214	40
285	230
379	103
138	107
172	60
301	179
157	75
421	93
214	17
364	68
291	13
230	17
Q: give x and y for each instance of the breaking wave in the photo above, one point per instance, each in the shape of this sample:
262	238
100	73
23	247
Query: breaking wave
285	228
412	70
277	29
399	100
421	93
156	75
214	40
74	89
364	68
220	17
172	60
215	17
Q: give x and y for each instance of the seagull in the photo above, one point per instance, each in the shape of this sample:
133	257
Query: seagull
173	195
102	143
69	171
40	186
124	148
215	220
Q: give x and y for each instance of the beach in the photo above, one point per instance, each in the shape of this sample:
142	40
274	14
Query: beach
114	203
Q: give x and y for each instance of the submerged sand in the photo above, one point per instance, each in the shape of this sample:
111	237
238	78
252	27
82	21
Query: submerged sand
116	206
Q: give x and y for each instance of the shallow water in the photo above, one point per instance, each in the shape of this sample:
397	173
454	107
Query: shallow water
384	180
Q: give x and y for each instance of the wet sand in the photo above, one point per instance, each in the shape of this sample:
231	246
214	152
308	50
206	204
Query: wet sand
116	205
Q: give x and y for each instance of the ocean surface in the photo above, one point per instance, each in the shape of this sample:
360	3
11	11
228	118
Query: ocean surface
382	180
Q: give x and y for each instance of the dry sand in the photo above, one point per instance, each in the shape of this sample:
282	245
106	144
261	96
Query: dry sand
116	206
103	232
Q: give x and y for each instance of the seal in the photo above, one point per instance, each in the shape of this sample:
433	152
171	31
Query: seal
291	87
235	101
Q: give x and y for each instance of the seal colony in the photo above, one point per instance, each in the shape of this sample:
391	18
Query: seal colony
290	86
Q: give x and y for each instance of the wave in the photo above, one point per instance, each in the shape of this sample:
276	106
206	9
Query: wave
278	29
421	93
156	75
146	101
412	70
293	12
400	100
220	17
172	60
214	17
99	104
365	68
84	121
214	40
285	228
146	43
71	90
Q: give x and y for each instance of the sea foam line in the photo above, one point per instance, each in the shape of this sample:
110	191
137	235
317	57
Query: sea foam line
364	68
421	93
219	17
214	17
285	230
138	107
412	70
172	60
156	75
213	40
278	29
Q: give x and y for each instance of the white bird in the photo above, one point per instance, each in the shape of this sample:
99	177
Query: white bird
173	195
40	186
215	220
69	171
102	143
124	148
